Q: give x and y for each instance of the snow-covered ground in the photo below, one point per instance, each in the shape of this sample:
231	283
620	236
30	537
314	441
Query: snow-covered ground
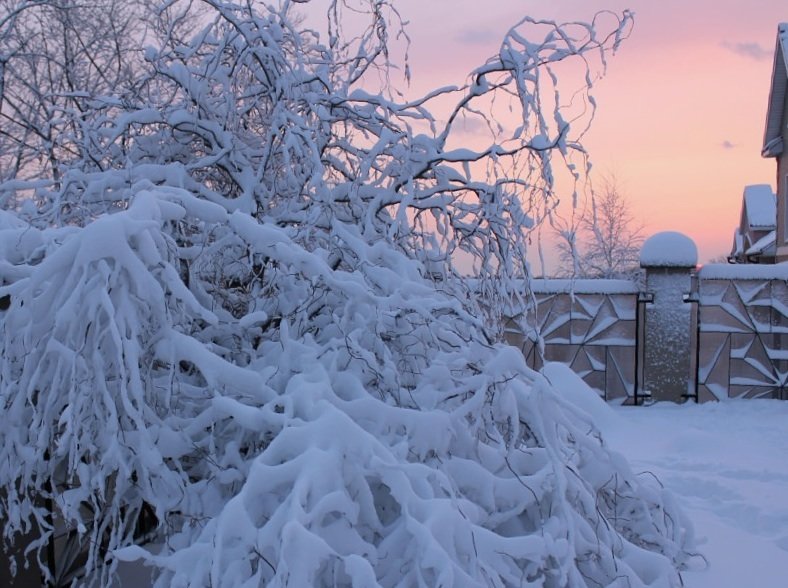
727	463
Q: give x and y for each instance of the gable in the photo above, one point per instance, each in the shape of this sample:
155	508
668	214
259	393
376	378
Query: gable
759	207
773	135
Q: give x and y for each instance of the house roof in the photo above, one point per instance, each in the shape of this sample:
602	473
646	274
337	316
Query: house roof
764	246
755	235
738	243
772	138
760	207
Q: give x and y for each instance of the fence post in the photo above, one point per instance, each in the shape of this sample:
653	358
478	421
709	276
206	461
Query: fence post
669	260
693	298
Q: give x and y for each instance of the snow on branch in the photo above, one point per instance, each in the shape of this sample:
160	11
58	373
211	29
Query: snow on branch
237	307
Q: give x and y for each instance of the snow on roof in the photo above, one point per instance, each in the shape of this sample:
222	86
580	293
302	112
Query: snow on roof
765	244
587	286
744	271
760	206
669	249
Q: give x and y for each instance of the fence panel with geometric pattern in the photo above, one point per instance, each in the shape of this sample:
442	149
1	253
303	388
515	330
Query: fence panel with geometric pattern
743	333
589	325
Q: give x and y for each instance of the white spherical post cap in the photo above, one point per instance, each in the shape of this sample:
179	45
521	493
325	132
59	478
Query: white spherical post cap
669	249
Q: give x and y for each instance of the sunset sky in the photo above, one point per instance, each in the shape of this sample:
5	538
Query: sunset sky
681	110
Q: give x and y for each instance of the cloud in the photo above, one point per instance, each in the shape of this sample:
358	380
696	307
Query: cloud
477	36
727	144
749	50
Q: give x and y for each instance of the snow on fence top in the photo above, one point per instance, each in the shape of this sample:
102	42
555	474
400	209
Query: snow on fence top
669	249
587	286
744	271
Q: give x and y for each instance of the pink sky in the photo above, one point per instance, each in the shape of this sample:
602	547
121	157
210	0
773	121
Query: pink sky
681	110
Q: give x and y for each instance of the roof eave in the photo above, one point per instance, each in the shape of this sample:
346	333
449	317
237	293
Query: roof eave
772	137
773	148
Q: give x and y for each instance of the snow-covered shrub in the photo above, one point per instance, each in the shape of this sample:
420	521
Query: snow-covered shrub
248	322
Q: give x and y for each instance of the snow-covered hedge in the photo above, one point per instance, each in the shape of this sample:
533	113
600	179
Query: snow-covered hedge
385	444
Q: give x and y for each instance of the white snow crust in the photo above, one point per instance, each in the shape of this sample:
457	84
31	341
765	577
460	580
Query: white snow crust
744	271
583	286
669	249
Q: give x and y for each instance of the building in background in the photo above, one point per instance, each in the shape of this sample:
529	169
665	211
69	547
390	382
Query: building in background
754	240
774	139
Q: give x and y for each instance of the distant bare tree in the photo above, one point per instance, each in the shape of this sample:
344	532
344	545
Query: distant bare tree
605	242
59	60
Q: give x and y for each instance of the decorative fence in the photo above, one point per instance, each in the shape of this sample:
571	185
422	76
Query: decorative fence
721	332
742	338
590	325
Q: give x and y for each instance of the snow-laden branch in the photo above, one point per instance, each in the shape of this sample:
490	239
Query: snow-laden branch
237	308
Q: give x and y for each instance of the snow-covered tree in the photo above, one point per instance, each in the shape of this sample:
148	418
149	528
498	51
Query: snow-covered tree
241	316
605	241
